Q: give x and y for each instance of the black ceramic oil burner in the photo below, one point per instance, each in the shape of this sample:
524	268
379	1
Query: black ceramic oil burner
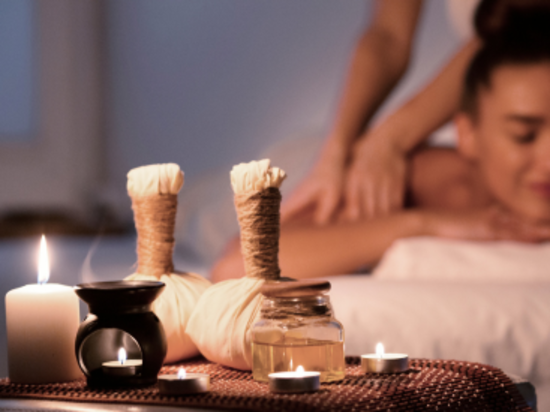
120	317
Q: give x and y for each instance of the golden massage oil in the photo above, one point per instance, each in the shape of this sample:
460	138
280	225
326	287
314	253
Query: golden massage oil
297	328
322	356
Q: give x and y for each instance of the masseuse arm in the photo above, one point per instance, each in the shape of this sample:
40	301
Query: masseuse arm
432	107
375	183
379	60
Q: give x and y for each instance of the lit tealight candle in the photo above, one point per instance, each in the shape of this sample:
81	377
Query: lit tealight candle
42	321
184	383
123	366
294	382
381	362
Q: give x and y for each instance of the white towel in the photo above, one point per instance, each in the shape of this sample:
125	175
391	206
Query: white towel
430	258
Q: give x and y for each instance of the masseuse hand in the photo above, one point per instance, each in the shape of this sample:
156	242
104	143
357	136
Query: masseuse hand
492	223
321	192
375	182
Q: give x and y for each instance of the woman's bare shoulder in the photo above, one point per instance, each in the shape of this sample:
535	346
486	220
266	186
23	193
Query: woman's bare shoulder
441	178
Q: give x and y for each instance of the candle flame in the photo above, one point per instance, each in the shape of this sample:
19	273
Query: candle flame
122	356
181	373
379	350
43	262
300	369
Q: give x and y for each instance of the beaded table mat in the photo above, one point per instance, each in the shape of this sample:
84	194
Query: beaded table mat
429	385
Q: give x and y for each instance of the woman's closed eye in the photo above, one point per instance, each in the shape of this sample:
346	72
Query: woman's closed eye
525	138
522	128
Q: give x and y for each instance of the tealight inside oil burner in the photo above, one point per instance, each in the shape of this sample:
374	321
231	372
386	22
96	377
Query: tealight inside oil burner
121	342
122	366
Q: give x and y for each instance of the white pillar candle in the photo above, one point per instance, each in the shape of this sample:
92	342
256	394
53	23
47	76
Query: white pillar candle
42	321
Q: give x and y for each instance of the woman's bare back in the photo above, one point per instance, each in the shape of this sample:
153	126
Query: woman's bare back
442	179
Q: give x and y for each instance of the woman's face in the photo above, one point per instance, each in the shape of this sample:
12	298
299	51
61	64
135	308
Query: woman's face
510	140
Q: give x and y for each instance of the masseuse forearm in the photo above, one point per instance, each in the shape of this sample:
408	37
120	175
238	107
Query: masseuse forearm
380	58
374	71
411	124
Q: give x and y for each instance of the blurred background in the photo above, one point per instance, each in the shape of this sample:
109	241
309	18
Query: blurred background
90	89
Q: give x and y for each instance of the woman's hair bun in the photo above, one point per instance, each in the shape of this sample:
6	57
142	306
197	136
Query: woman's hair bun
509	19
513	32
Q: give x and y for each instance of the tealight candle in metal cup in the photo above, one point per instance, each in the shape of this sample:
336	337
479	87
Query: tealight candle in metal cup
122	366
294	382
184	383
381	362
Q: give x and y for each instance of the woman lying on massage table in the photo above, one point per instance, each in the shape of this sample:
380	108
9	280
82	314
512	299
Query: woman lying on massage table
494	186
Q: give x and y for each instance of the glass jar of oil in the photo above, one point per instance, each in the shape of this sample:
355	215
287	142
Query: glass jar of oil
297	328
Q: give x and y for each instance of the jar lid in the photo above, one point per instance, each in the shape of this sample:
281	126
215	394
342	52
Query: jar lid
296	288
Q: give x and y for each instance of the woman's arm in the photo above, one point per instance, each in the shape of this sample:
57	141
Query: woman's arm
313	251
308	251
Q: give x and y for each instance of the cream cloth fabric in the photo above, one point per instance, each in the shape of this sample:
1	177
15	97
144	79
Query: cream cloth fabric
220	325
176	303
255	177
161	179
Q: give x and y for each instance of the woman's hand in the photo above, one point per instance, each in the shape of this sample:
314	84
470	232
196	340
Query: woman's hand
492	223
375	182
321	192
